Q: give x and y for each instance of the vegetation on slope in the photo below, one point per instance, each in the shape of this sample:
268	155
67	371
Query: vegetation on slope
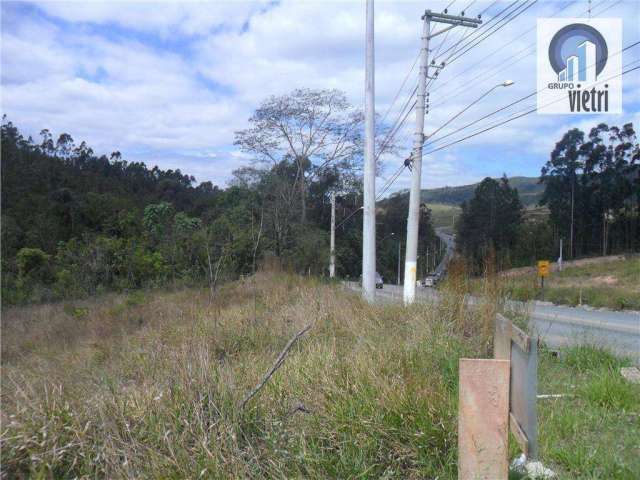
148	386
612	284
529	189
75	223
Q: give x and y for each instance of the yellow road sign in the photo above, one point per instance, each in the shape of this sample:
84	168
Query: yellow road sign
543	268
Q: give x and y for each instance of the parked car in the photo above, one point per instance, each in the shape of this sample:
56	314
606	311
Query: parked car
429	281
379	280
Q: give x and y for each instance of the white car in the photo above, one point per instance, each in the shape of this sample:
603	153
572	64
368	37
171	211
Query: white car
429	281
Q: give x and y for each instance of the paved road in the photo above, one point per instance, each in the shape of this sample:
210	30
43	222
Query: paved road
450	243
556	325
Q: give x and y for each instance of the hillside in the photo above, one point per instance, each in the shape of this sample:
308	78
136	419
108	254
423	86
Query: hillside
529	189
610	282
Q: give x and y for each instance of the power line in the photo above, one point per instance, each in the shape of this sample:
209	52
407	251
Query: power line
481	28
483	11
397	125
485	58
514	102
390	182
350	215
522	114
400	89
396	175
502	62
488	33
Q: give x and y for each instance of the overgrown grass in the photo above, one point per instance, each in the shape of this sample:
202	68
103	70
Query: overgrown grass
148	386
614	284
594	433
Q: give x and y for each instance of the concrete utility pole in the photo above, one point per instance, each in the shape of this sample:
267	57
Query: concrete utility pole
427	260
369	221
398	277
332	248
413	221
560	257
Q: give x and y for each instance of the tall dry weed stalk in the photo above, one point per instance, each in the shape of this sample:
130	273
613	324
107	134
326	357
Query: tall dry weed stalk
148	386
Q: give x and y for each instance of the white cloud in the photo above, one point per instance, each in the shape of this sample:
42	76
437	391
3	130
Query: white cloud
175	80
162	18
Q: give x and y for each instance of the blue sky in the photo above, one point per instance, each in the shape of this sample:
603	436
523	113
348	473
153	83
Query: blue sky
169	83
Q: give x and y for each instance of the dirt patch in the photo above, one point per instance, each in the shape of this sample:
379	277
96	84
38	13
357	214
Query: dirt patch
605	280
516	272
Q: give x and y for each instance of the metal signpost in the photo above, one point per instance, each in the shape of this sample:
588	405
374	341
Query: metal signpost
511	343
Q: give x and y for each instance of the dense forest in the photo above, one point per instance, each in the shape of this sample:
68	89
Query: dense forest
591	188
75	223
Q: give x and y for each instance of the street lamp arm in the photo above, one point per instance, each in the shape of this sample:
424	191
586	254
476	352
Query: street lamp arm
506	83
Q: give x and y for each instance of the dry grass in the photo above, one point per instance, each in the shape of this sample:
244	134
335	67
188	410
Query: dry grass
611	282
147	386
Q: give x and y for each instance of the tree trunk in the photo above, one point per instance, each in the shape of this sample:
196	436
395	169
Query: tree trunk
303	199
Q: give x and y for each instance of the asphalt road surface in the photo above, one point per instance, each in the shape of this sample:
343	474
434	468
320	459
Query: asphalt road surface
558	326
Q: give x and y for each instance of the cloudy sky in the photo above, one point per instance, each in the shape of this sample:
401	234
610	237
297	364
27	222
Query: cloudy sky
169	83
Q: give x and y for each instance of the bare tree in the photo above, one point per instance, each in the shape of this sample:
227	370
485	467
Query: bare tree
310	128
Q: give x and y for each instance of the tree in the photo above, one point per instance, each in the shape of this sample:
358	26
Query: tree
592	189
311	129
562	191
489	222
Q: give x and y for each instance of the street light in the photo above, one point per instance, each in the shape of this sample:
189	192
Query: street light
506	83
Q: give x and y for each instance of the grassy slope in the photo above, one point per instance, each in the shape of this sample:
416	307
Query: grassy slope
442	214
613	284
529	189
147	386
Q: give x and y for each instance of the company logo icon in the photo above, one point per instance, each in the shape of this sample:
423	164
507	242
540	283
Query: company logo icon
579	65
578	53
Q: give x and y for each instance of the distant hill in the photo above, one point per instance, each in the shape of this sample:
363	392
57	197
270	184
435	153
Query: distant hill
529	189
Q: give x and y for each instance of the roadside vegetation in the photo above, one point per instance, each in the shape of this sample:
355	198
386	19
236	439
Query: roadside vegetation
149	385
444	215
589	204
613	284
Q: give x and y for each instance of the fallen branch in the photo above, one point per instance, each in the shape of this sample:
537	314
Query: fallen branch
557	395
278	363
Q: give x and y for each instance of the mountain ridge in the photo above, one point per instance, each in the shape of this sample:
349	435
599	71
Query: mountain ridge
529	189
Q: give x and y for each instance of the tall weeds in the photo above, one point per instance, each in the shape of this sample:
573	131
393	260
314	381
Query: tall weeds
148	386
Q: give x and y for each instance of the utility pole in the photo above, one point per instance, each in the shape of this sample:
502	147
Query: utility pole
413	221
571	234
399	257
560	257
369	221
427	260
332	248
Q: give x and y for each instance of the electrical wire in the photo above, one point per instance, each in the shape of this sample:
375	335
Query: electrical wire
502	62
489	33
400	89
510	104
522	114
466	35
